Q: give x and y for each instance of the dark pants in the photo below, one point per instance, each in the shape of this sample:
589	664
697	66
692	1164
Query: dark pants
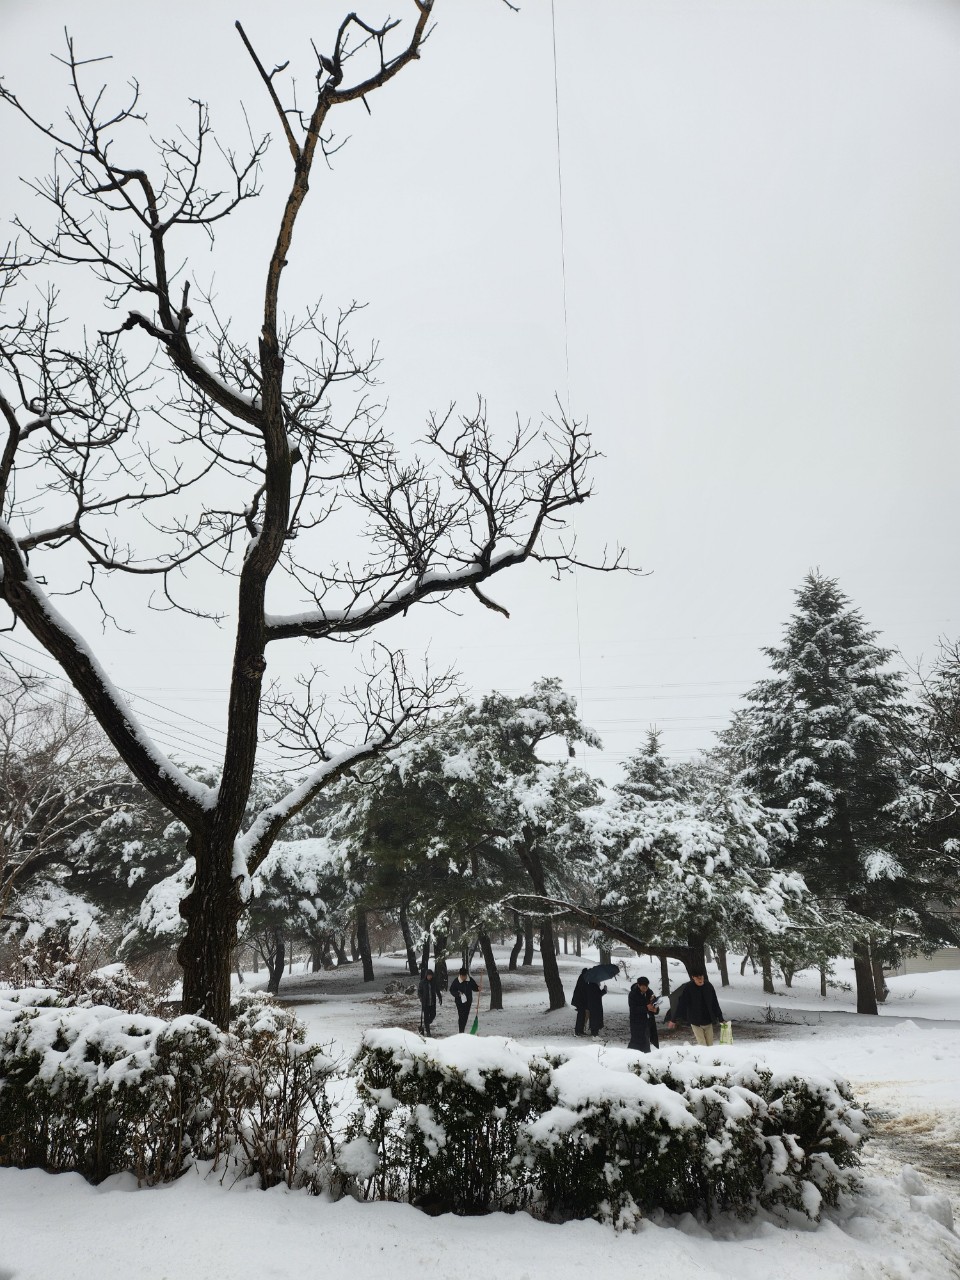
463	1012
579	1027
640	1034
654	1036
426	1017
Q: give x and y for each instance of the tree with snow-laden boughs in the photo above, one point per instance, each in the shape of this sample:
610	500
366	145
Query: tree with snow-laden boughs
58	781
686	865
824	741
472	812
149	440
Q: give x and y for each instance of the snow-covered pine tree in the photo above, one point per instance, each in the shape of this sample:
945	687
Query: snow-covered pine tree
822	742
648	775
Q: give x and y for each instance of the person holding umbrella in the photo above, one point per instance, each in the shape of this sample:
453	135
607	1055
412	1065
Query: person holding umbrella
587	997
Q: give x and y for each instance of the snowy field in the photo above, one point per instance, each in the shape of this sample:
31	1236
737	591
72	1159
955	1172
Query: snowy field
905	1065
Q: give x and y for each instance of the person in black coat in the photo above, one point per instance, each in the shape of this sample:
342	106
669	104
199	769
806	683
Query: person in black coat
429	995
697	1004
643	1017
579	1002
462	989
595	994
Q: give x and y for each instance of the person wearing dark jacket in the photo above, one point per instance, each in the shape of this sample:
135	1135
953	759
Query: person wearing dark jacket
643	1017
462	989
579	1002
595	994
429	995
697	1004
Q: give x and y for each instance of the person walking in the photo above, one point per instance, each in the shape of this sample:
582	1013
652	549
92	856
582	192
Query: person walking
429	995
579	1002
643	1017
595	994
698	1005
462	989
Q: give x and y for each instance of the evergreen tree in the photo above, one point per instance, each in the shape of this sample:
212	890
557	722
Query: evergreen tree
823	742
648	775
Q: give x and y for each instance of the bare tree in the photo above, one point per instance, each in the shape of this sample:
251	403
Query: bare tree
57	779
216	455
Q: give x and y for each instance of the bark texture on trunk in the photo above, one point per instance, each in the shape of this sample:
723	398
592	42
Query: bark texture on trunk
363	944
767	968
408	940
863	973
211	910
551	970
879	981
494	985
527	941
664	976
722	965
517	947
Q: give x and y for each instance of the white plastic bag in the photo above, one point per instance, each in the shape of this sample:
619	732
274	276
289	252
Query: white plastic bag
726	1033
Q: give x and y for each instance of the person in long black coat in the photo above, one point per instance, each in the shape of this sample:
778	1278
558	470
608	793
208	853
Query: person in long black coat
643	1017
429	994
579	1002
462	989
698	1005
595	994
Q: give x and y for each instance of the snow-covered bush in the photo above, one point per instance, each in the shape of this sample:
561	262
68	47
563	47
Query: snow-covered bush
98	1091
276	1096
608	1144
767	1139
476	1125
439	1122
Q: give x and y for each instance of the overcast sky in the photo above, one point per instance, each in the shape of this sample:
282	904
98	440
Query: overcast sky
761	204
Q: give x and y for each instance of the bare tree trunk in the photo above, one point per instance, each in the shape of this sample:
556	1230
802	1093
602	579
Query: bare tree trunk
354	950
274	958
863	972
211	911
527	941
494	985
605	957
823	981
517	947
743	964
408	940
577	944
316	959
339	946
664	976
787	975
363	944
767	968
722	965
566	948
879	981
551	970
695	961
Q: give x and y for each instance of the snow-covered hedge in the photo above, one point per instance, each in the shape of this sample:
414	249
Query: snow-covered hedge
98	1091
439	1121
476	1125
466	1124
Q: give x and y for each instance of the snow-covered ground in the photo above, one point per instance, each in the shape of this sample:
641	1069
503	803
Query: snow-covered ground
904	1064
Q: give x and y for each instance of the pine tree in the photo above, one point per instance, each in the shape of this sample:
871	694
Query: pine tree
823	743
648	775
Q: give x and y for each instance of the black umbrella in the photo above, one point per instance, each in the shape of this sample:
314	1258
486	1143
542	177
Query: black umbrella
600	972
